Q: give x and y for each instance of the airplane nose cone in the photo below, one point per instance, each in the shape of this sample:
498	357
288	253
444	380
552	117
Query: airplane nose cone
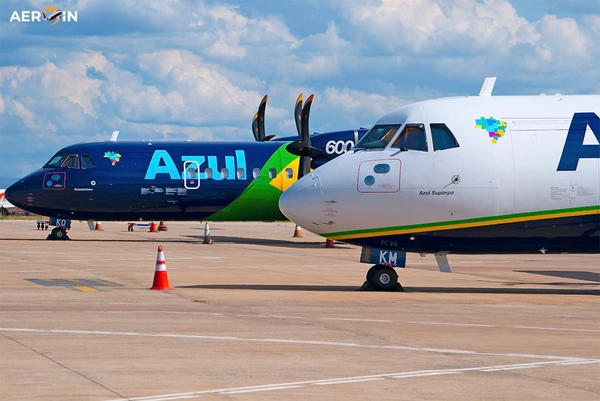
302	203
15	194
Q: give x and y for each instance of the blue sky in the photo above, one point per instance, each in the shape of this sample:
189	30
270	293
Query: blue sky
160	69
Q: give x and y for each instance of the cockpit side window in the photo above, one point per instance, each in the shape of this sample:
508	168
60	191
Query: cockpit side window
442	137
72	161
378	137
56	161
412	138
87	162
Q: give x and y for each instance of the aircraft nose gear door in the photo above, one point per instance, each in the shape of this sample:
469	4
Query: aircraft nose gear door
191	174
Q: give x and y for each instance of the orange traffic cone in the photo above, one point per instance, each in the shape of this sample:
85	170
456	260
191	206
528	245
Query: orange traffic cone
99	226
161	278
162	226
329	243
297	232
207	237
153	228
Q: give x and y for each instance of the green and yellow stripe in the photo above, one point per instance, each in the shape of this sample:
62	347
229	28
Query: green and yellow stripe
466	223
260	200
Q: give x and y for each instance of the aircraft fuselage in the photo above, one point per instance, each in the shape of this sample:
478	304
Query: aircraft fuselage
116	180
487	174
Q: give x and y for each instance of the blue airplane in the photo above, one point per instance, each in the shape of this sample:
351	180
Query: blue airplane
178	181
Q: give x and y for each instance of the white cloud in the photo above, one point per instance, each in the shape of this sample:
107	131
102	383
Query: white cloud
424	26
231	35
185	69
351	102
564	38
197	92
17	109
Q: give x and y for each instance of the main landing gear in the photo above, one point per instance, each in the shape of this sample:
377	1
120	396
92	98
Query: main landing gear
382	278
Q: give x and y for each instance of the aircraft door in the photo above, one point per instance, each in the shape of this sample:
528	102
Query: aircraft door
191	174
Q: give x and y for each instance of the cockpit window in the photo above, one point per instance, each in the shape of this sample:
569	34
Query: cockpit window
72	161
412	138
56	161
87	162
442	137
378	137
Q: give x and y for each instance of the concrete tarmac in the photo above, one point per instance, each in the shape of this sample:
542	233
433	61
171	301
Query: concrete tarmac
259	315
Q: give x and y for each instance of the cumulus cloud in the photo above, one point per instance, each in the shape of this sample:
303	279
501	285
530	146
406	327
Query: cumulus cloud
352	101
198	92
424	26
183	69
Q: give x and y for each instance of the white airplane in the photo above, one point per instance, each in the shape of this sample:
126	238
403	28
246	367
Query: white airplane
481	174
5	206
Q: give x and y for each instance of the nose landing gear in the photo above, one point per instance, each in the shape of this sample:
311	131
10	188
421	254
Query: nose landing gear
58	233
382	278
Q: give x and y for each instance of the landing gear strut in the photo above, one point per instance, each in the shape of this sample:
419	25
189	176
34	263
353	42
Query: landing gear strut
382	278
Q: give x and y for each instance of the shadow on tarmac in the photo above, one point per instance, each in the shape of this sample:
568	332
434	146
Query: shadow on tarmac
426	290
198	240
274	287
575	275
272	242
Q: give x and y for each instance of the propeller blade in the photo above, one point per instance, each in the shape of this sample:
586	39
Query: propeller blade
258	124
304	166
307	149
305	133
255	127
298	115
303	147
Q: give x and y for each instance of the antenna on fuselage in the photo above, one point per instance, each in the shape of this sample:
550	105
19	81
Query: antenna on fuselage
114	136
488	86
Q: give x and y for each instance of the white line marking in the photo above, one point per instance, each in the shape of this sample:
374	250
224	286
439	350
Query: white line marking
578	362
345	380
291	341
263	316
357	320
258	389
351	380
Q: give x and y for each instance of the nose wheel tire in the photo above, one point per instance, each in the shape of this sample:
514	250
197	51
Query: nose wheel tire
383	278
59	233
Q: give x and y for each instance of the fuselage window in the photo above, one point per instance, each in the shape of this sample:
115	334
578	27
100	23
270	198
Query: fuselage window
224	173
378	137
256	172
289	173
87	162
240	173
191	173
442	137
72	161
272	173
382	168
208	173
412	138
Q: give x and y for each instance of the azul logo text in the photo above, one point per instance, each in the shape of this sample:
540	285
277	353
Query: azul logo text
162	163
575	148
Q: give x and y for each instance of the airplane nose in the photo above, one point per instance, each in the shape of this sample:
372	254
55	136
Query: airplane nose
15	193
302	203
